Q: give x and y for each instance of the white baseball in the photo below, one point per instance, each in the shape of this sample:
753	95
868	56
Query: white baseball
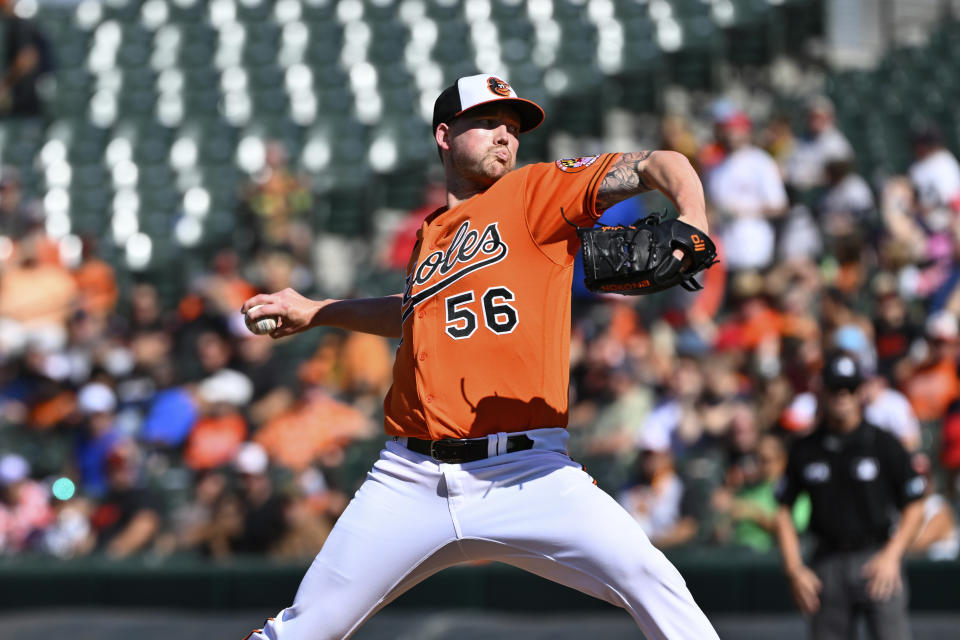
262	326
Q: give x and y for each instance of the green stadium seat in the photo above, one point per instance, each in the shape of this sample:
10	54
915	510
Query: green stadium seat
265	75
90	176
323	46
347	211
218	145
454	46
387	42
159	202
76	80
156	177
141	102
92	204
202	102
444	10
151	151
127	11
254	12
221	178
187	14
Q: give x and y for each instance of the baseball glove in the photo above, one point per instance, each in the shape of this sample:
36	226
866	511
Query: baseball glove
638	259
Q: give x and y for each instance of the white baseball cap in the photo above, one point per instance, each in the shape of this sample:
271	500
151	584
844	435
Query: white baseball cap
227	386
471	92
655	439
13	469
251	459
942	325
96	397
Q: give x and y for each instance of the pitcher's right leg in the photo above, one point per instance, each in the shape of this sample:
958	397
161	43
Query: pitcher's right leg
394	533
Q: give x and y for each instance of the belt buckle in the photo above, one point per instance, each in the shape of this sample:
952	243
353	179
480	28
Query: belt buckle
446	448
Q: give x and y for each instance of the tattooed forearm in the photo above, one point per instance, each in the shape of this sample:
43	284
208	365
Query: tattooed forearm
623	180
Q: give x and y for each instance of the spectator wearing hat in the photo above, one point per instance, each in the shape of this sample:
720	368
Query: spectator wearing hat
276	202
929	376
857	477
24	505
128	518
821	143
713	153
656	496
217	436
847	211
747	192
895	328
935	173
96	437
264	519
747	506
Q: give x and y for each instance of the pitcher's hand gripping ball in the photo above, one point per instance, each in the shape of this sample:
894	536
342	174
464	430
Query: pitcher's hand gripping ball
261	327
639	259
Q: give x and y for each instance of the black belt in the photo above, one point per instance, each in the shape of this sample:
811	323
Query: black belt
466	450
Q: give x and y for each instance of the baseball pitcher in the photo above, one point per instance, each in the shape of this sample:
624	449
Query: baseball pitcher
476	466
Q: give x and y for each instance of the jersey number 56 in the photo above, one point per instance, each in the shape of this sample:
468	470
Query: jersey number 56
498	316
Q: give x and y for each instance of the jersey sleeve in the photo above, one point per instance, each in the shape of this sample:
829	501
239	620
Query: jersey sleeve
570	185
906	483
790	485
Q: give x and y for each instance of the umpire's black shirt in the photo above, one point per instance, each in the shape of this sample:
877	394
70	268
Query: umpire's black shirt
858	482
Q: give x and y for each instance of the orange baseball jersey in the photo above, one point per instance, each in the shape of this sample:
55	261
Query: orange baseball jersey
486	307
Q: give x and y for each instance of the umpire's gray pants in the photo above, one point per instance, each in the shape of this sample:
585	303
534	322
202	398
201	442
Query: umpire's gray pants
844	598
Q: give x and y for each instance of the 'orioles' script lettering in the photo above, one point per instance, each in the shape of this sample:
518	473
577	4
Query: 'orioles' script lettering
465	247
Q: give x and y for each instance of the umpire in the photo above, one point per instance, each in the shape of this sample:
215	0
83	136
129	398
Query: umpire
859	478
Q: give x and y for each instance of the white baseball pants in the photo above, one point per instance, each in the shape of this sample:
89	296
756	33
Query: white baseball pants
535	509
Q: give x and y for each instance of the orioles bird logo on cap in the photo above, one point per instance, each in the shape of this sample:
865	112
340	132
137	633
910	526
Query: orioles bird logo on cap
498	86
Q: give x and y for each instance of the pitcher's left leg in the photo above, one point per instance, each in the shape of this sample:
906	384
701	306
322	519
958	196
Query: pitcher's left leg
561	526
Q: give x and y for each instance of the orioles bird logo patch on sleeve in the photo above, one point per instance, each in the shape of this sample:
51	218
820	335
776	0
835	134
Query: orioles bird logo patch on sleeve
573	165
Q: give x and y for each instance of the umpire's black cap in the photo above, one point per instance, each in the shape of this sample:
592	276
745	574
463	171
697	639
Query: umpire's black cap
842	371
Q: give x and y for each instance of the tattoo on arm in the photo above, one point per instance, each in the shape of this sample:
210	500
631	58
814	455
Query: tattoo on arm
623	180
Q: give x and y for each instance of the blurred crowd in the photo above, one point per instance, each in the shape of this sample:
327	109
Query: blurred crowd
134	424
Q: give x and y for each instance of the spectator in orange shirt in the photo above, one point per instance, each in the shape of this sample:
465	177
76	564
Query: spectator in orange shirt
367	367
96	282
216	438
930	380
316	429
225	287
755	322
